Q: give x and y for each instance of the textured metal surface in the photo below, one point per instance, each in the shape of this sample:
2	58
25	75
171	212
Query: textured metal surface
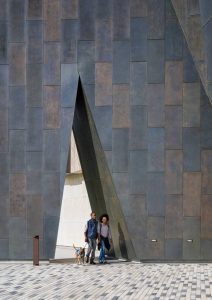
141	72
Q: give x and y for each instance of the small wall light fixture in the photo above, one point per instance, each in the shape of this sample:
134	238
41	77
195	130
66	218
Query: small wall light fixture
190	241
154	241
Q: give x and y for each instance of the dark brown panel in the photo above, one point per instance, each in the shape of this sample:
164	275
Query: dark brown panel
16	25
4	163
206	217
173	82
121	108
3	10
17	117
51	193
191	149
4	213
17	195
138	39
103	46
34	129
3	44
155	228
51	152
17	69
138	127
121	62
191	194
138	8
174	249
174	162
52	20
191	104
4	75
174	218
51	107
155	99
69	9
51	64
156	63
69	35
104	9
3	130
173	40
173	127
87	18
155	231
35	46
191	231
155	149
34	85
156	194
121	19
138	172
138	83
206	159
33	183
120	155
103	88
34	9
156	10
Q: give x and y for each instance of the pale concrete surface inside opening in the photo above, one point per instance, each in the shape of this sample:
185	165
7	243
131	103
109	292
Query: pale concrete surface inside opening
75	209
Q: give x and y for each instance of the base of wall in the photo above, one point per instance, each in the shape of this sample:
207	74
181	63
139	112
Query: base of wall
176	261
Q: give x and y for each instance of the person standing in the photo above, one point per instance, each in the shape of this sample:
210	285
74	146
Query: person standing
90	238
104	237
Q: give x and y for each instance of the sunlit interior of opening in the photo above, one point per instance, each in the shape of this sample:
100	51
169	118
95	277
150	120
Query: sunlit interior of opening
75	209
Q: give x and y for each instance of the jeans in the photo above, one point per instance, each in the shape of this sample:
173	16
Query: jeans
91	248
102	252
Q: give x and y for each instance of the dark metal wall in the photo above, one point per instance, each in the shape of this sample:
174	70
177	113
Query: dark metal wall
151	113
101	191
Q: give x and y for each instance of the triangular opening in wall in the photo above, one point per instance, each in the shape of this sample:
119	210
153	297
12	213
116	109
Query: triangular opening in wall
99	186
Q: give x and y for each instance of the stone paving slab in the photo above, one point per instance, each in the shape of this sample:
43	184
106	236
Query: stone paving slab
109	282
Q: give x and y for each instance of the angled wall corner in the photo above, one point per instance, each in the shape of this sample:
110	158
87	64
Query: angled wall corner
100	187
206	25
192	19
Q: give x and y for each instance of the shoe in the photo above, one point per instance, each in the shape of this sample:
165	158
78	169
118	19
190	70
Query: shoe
87	260
92	262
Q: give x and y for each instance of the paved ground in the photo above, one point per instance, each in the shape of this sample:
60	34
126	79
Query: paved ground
112	281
